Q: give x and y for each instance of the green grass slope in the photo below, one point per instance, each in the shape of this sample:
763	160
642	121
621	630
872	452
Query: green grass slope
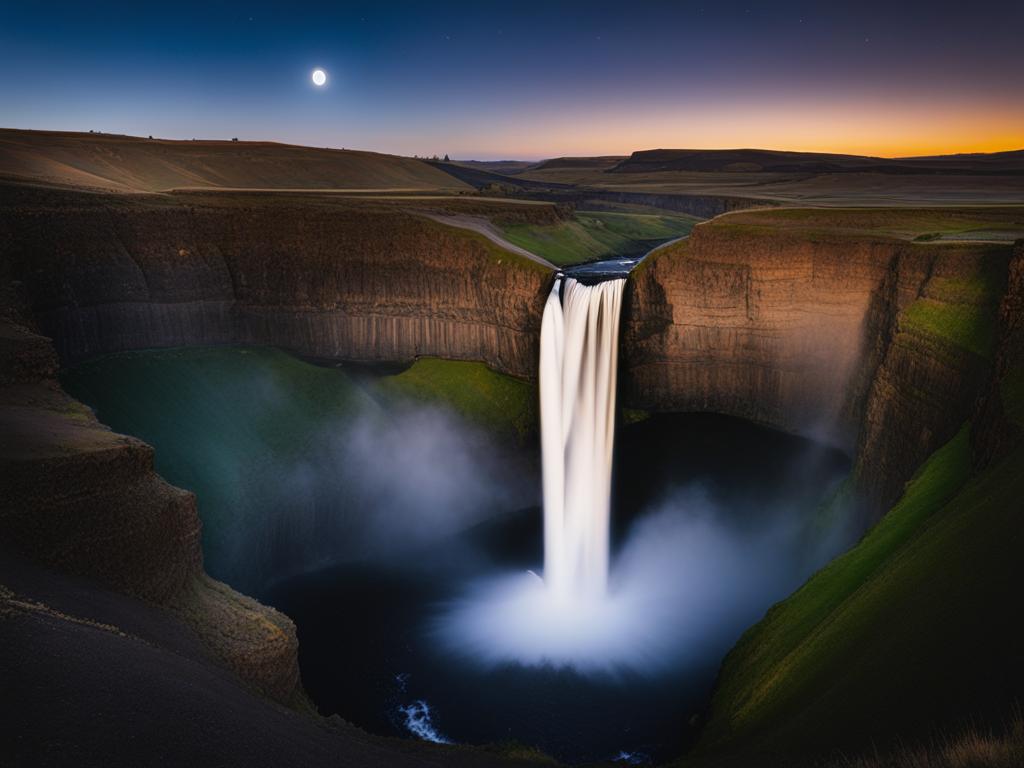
923	225
914	629
592	235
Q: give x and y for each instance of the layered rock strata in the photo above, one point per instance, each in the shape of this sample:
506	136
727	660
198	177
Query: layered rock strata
810	332
337	279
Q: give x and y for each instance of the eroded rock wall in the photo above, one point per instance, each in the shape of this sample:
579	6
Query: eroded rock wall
766	328
920	381
346	280
803	331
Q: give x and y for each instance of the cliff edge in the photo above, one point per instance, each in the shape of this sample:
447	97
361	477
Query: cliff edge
835	325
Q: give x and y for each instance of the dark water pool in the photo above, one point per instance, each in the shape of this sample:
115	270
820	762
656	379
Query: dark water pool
369	654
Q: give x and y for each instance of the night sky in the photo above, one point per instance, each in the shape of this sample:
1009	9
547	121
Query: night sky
523	79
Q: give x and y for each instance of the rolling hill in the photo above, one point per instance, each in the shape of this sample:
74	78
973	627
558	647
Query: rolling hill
774	161
132	164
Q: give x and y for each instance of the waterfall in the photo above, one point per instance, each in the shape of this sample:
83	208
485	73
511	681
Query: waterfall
579	349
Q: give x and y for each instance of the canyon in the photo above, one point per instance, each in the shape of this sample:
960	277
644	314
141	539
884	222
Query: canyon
763	315
827	324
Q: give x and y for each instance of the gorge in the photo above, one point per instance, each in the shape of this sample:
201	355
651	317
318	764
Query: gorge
787	380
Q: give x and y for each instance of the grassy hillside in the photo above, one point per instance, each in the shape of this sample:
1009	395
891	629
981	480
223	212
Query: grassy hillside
128	163
914	629
987	224
592	235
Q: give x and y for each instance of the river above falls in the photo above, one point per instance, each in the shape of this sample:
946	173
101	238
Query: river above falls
591	272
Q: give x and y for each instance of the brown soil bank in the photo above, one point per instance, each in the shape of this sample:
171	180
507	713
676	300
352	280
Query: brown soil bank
321	276
833	324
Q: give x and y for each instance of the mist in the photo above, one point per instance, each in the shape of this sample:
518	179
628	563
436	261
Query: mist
376	486
689	577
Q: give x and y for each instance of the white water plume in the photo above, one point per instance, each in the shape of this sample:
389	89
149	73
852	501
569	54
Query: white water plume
578	367
683	586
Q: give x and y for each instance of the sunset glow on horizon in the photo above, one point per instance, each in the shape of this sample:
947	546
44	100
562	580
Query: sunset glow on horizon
480	81
841	130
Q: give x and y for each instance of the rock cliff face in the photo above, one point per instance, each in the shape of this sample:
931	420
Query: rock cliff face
84	500
841	337
816	323
999	419
921	377
326	278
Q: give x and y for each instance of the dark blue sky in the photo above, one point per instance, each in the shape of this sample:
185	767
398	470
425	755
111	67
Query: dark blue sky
524	79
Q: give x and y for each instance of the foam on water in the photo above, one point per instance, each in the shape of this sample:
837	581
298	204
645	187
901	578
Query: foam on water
418	720
684	583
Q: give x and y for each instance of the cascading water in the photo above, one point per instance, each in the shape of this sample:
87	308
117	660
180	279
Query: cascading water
579	345
683	582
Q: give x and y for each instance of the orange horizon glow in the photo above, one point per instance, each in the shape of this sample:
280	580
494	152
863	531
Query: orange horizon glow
879	129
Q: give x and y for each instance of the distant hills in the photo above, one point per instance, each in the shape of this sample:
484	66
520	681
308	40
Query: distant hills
127	163
505	167
775	161
602	161
102	161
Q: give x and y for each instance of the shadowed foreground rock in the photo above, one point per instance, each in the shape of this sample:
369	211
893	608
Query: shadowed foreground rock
86	500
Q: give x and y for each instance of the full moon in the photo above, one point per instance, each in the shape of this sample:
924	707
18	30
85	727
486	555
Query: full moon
319	77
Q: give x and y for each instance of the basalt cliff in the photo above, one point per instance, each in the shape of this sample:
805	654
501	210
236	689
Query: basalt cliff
322	277
864	340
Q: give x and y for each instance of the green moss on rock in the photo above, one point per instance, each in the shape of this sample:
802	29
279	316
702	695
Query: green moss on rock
960	311
493	400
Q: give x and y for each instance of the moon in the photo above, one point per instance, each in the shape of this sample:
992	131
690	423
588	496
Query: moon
319	77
